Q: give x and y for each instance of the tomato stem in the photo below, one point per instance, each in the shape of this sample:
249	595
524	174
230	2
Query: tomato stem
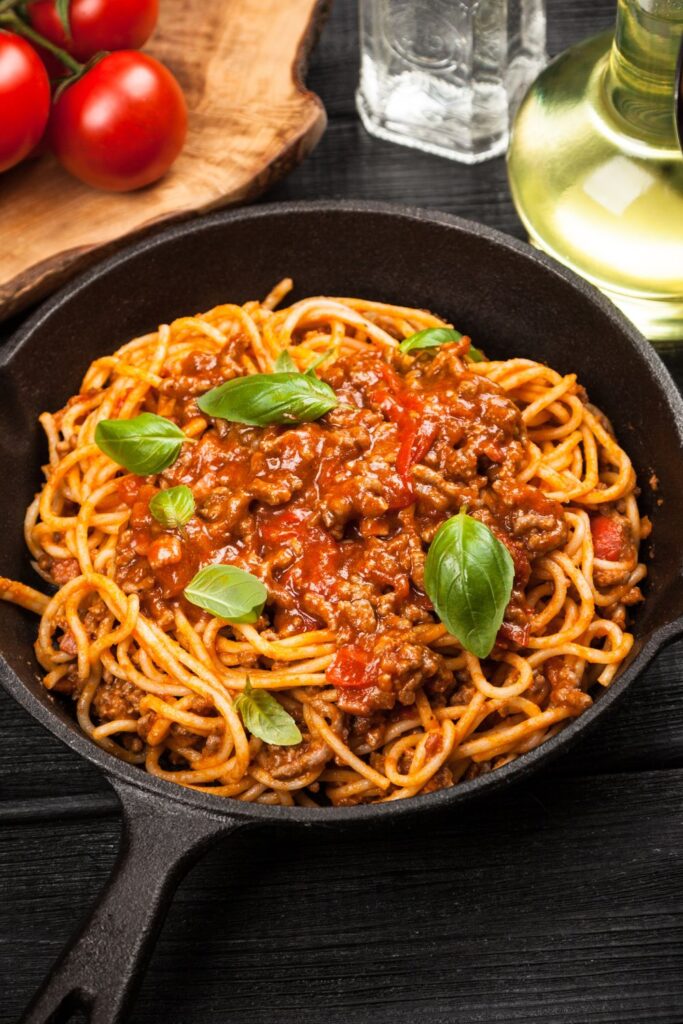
11	20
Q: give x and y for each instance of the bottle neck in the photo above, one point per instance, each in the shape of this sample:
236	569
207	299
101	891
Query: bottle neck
642	67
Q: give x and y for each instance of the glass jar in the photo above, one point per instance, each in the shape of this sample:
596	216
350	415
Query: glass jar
445	75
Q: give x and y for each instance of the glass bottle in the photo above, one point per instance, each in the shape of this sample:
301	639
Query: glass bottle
445	75
596	170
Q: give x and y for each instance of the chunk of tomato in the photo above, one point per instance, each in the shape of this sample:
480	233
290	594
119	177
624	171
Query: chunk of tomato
608	538
351	669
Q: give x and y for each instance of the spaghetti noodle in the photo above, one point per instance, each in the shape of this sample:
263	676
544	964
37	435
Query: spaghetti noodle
335	518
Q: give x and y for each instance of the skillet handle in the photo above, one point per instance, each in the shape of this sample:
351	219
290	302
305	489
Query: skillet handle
102	966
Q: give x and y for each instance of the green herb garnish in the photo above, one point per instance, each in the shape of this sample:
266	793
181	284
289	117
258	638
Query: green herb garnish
432	337
143	445
227	592
468	577
262	398
266	718
173	507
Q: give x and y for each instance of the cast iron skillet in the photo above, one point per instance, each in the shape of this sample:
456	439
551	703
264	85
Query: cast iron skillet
512	300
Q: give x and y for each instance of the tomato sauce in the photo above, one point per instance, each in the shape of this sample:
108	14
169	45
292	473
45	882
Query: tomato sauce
335	516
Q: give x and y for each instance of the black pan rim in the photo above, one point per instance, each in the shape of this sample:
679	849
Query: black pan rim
131	775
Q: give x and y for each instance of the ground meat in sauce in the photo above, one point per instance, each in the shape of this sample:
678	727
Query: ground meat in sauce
565	690
441	779
291	762
335	516
116	698
60	570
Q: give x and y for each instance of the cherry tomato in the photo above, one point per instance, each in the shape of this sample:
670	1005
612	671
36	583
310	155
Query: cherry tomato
122	124
24	99
96	25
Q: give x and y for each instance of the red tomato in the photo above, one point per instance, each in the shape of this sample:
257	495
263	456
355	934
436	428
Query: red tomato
122	124
277	527
608	538
24	99
415	436
96	24
351	669
415	443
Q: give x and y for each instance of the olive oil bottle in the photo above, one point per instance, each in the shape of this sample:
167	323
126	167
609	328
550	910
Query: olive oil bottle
596	169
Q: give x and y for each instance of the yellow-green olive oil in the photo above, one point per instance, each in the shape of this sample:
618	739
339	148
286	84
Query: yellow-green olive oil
596	170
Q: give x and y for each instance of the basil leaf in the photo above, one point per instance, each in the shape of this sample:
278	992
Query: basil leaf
285	364
62	9
432	337
173	507
468	577
144	445
266	718
227	592
475	354
262	398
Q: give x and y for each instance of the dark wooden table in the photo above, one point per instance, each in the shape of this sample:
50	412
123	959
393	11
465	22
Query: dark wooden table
560	902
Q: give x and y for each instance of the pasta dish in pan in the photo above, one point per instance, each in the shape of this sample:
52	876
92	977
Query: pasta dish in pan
329	553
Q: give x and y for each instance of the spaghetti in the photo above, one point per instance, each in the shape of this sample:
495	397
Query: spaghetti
335	518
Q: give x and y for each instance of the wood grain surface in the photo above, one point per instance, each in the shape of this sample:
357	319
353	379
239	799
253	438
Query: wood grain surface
558	902
250	121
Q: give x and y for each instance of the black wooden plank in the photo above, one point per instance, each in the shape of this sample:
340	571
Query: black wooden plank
559	902
350	163
645	732
61	807
33	763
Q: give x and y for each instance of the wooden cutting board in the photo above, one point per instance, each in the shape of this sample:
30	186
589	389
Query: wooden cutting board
240	64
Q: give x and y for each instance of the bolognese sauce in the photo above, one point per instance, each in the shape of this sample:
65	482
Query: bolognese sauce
335	517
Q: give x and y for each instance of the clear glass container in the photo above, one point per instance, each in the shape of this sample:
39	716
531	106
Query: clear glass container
446	75
596	169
